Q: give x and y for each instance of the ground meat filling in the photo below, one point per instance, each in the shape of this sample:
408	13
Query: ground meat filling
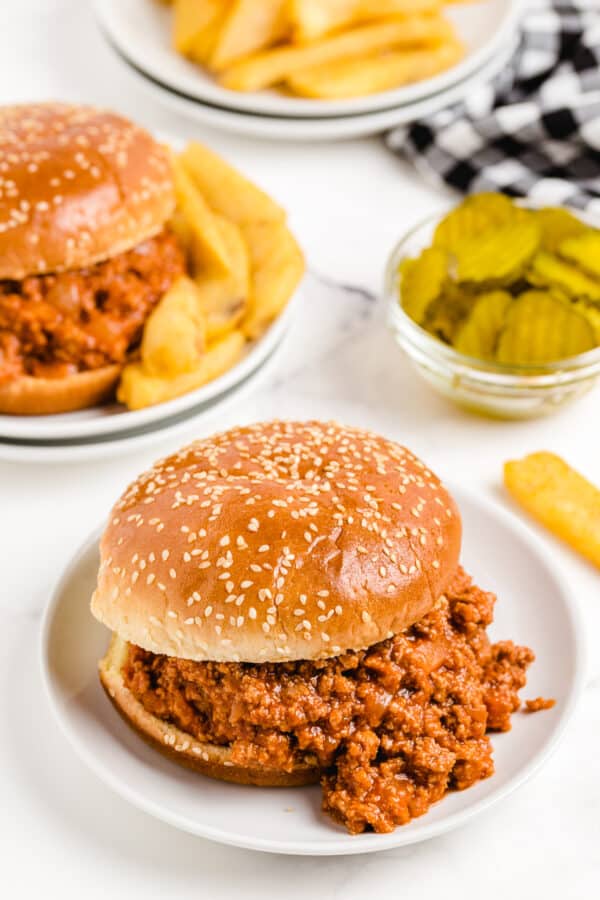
538	704
56	325
393	727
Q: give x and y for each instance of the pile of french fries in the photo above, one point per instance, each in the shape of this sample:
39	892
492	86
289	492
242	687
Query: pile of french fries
243	266
323	49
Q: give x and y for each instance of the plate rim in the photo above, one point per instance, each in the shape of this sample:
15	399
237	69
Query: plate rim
381	842
318	129
255	103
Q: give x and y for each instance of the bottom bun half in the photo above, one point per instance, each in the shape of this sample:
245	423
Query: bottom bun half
30	396
213	760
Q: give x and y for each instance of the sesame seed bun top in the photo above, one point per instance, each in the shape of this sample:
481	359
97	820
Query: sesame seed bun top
77	185
277	541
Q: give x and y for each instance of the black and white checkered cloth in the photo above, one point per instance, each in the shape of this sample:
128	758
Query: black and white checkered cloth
534	130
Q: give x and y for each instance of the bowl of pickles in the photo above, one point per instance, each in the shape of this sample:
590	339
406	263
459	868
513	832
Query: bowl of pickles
497	304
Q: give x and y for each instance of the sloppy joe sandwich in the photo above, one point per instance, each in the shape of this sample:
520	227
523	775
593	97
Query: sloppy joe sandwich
84	254
127	269
287	606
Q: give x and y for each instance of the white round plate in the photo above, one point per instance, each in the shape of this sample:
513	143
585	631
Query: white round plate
114	418
141	31
319	129
534	608
108	446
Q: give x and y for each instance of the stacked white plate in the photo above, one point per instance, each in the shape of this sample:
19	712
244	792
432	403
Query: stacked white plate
109	430
139	32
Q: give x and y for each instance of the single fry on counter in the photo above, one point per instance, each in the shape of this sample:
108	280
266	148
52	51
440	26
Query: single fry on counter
243	265
507	284
560	498
322	49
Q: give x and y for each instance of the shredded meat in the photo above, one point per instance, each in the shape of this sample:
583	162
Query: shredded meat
393	727
55	325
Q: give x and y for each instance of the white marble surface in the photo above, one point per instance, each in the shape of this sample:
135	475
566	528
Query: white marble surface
61	832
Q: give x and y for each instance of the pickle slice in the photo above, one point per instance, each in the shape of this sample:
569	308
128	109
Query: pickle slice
592	314
499	256
541	328
471	218
478	335
421	281
556	225
583	250
549	271
449	310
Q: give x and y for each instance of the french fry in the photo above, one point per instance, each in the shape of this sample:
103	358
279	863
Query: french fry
225	190
558	497
277	266
193	22
368	75
273	66
245	266
208	248
137	389
248	27
184	233
224	298
313	19
204	42
174	335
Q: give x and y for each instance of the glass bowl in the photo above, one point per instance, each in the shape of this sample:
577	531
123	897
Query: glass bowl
489	388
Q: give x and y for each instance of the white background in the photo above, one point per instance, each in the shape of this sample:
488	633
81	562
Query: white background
61	832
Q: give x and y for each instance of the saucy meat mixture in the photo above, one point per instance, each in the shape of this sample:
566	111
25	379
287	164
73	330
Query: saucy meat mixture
55	325
393	727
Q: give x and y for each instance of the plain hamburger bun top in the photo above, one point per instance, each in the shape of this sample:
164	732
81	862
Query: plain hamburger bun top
77	185
277	541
